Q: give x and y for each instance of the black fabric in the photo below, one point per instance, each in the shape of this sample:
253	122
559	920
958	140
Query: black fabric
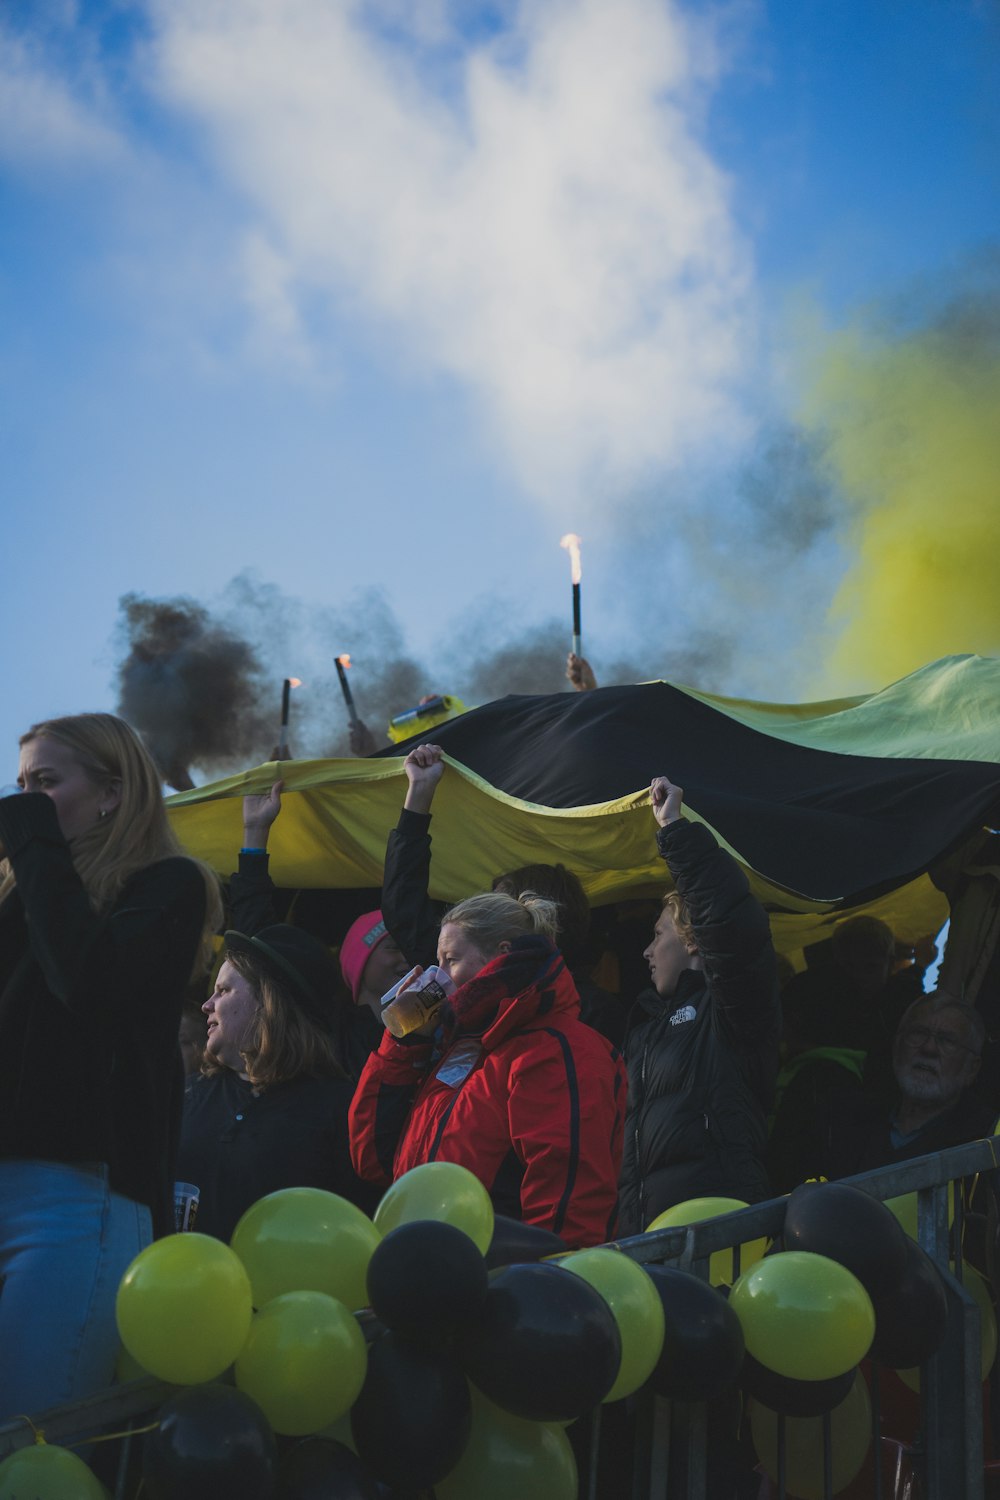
823	1088
830	826
90	1008
857	1137
238	1146
699	1091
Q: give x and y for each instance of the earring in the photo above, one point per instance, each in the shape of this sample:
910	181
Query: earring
103	813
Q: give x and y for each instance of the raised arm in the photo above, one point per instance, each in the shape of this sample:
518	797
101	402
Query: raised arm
251	889
410	915
731	927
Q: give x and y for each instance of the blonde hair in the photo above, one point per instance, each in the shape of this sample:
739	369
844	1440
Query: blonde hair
283	1042
134	834
495	918
679	915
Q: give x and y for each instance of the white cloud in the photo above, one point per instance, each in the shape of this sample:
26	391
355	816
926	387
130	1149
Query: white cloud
533	215
42	120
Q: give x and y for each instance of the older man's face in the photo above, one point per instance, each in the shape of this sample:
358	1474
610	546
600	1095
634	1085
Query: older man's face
934	1057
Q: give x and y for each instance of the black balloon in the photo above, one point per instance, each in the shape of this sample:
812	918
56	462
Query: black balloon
514	1243
847	1225
910	1321
212	1441
322	1469
426	1279
546	1346
794	1398
703	1344
412	1420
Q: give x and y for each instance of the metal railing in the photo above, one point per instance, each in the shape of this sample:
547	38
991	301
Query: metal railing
949	1456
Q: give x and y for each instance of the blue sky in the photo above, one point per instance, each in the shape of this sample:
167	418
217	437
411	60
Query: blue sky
336	298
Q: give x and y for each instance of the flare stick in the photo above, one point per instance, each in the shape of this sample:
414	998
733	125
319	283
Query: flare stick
343	662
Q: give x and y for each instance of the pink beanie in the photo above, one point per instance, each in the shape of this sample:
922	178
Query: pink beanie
362	938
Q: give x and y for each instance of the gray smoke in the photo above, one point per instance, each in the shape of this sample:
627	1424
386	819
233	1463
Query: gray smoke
697	581
191	687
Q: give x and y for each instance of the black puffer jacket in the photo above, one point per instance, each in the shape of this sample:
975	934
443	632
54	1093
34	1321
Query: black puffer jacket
699	1089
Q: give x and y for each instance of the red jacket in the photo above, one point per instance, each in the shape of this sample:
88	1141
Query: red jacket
534	1104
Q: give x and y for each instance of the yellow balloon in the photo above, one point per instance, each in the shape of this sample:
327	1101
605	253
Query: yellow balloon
804	1315
304	1362
46	1472
439	1190
637	1309
978	1287
507	1456
184	1309
721	1264
850	1440
905	1209
306	1240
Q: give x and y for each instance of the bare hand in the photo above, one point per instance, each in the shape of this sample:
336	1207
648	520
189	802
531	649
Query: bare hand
580	673
666	799
259	812
424	768
361	738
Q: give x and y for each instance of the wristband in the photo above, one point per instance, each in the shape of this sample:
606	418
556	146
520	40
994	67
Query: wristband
253	851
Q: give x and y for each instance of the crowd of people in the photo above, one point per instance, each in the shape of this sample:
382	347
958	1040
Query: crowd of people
150	1035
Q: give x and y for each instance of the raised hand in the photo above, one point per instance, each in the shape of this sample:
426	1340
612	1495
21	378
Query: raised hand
666	799
580	673
259	812
424	768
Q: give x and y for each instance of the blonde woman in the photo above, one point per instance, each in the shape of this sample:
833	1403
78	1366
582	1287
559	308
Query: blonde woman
102	923
507	1081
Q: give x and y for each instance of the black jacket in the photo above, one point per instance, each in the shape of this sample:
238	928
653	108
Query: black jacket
858	1138
699	1089
239	1146
90	1007
411	917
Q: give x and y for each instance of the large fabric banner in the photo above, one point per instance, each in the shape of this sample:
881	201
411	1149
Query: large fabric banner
830	807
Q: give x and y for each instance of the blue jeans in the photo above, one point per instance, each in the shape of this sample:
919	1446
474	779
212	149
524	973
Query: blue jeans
65	1242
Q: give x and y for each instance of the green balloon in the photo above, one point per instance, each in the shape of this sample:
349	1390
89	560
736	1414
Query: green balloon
804	1315
507	1456
184	1309
637	1309
306	1240
850	1440
439	1190
695	1211
304	1362
45	1472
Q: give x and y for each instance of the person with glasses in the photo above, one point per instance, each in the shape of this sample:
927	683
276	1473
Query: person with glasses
936	1055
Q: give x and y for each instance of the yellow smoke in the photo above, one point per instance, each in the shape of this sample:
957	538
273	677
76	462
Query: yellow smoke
913	432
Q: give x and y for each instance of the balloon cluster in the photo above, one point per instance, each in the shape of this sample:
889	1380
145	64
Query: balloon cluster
848	1283
321	1353
443	1346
